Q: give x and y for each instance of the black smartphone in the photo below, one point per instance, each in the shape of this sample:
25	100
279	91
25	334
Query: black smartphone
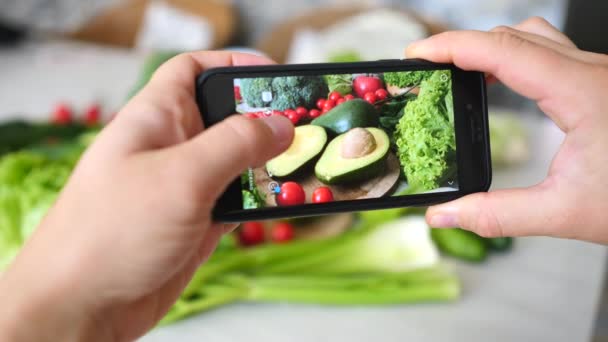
368	135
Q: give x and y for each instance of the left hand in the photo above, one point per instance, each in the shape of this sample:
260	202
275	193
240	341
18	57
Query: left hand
134	221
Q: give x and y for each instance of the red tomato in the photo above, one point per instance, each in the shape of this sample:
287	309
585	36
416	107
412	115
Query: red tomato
293	117
322	195
289	111
276	112
302	111
325	110
62	114
349	97
334	96
282	232
340	101
251	115
366	84
320	103
381	94
370	97
237	93
291	194
251	233
329	104
92	115
314	113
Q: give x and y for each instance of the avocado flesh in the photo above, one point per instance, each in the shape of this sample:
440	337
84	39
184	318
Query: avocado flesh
332	168
308	142
348	115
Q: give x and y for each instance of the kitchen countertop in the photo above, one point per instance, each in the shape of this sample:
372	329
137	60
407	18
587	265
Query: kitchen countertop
544	290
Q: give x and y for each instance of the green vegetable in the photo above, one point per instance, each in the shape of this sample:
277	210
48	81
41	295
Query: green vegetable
294	91
460	243
390	114
252	197
29	183
252	89
499	244
15	135
307	145
405	79
333	168
421	285
341	83
425	134
350	114
345	57
508	140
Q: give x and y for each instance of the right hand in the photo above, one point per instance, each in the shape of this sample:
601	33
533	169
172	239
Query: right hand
570	86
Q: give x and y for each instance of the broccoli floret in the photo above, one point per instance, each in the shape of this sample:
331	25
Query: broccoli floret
403	79
252	89
295	91
425	134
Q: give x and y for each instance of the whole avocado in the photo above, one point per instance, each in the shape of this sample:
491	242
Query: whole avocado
348	115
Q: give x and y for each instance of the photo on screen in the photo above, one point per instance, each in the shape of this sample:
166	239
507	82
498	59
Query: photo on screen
357	136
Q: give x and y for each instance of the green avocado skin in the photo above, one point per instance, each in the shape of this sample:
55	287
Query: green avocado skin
365	172
348	115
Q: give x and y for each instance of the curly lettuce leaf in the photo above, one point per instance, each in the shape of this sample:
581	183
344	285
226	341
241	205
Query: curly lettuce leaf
425	134
403	79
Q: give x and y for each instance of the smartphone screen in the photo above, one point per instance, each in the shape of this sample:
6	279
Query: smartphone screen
364	137
357	136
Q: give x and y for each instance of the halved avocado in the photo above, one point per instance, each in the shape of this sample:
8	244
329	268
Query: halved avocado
308	142
348	115
333	168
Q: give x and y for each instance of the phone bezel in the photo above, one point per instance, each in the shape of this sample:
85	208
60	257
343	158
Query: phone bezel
215	99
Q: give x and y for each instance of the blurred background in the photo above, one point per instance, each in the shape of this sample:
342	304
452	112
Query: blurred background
67	66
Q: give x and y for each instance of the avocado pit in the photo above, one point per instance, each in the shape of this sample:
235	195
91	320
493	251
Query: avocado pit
357	143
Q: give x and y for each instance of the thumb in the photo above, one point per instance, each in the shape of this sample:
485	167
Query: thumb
513	212
218	155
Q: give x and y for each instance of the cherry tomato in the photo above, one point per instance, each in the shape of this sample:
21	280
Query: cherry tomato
302	111
329	104
289	111
291	194
322	195
251	115
282	232
325	110
320	103
314	113
237	93
251	233
340	101
381	94
92	115
334	96
349	97
370	97
293	117
62	114
277	112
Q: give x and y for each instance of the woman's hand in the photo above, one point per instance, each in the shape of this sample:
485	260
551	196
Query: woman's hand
133	223
570	86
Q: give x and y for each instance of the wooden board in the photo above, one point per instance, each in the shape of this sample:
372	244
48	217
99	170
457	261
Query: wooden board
372	188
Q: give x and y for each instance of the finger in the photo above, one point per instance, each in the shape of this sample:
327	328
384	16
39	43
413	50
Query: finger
529	69
541	27
499	213
567	51
164	112
217	156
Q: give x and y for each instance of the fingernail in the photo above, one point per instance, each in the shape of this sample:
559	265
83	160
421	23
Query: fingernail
444	217
281	128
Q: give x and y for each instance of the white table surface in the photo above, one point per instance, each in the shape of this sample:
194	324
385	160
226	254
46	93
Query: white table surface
544	290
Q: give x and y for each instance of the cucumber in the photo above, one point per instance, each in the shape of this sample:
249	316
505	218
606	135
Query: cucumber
499	244
460	243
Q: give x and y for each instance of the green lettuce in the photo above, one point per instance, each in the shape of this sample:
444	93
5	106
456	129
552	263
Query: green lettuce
425	134
403	79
